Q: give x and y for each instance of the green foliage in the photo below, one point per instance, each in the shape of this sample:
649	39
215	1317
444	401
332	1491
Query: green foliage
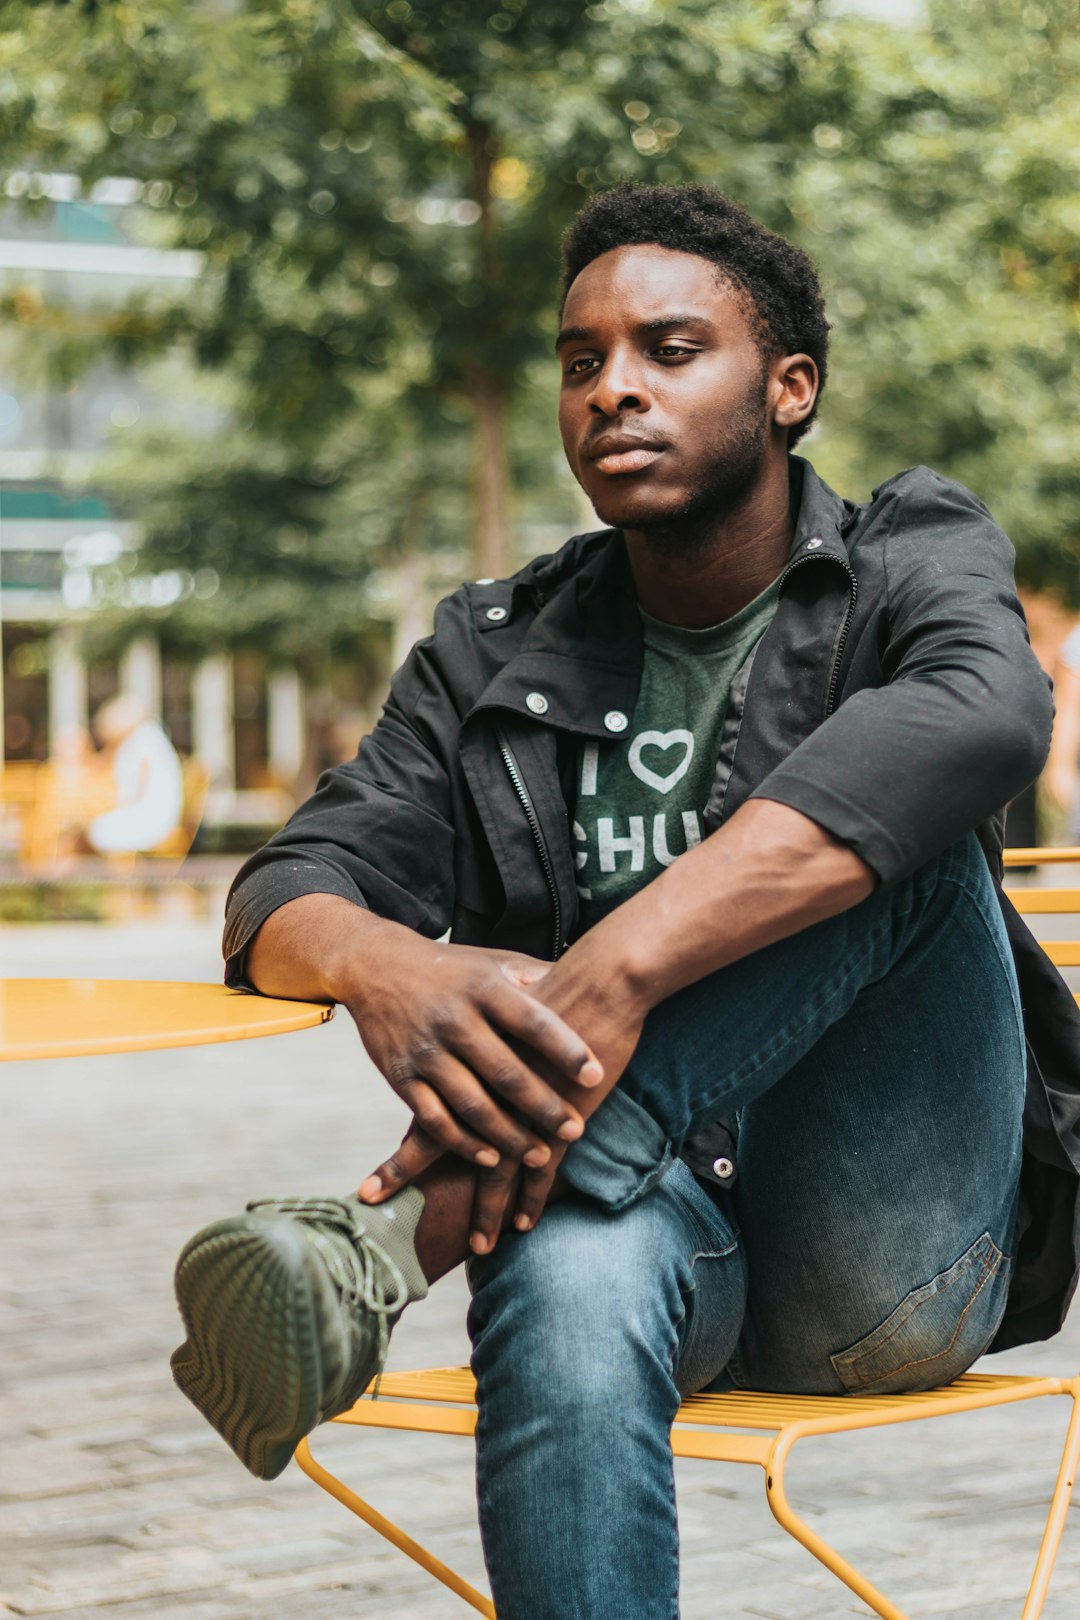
945	215
378	192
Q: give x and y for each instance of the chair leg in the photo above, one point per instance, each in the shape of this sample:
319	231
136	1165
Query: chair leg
1059	1507
1044	1567
392	1533
786	1516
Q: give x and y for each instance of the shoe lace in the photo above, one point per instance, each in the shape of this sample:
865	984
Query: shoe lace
357	1261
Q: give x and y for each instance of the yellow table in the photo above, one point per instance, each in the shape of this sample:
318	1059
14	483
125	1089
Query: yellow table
49	1018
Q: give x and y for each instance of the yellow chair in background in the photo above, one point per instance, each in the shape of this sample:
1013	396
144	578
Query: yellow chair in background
748	1427
1046	902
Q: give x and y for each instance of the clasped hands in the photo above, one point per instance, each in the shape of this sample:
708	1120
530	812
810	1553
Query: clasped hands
484	1047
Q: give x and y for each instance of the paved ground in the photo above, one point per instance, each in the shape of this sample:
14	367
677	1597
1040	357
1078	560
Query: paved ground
115	1500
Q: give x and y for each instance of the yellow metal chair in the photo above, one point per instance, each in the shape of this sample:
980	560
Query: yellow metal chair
1047	902
748	1427
739	1428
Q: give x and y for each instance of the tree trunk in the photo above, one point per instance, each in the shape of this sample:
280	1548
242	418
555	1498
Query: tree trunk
414	600
412	609
491	480
487	390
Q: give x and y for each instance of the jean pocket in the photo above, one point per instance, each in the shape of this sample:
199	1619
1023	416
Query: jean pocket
934	1334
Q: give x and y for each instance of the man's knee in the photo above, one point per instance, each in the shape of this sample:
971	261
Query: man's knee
571	1305
592	1306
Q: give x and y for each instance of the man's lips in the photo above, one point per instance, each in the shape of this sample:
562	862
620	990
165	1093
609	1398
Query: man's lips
624	456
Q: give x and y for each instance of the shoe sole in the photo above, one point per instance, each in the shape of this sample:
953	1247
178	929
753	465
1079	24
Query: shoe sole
251	1363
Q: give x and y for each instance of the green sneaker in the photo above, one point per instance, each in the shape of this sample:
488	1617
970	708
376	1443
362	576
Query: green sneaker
288	1311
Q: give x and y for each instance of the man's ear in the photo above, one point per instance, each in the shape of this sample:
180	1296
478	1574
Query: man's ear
794	387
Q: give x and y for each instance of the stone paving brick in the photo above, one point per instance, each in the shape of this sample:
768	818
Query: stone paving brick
118	1503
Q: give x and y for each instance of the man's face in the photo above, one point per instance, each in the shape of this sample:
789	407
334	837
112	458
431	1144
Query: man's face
664	402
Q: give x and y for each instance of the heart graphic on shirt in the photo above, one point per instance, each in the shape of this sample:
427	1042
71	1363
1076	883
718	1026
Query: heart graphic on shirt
662	740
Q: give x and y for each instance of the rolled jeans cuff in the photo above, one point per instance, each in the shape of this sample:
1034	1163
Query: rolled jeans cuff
622	1155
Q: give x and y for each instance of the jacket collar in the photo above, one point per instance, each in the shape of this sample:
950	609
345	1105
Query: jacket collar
823	519
581	662
580	667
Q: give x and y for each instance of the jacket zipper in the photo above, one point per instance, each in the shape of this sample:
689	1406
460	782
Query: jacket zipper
538	837
845	629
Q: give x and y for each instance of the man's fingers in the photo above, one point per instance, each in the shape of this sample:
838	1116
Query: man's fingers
528	1020
511	1078
477	1110
494	1195
533	1192
437	1124
416	1153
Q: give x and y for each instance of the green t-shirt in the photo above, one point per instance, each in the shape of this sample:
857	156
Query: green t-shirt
641	796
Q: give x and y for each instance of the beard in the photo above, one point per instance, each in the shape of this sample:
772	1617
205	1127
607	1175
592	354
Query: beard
729	477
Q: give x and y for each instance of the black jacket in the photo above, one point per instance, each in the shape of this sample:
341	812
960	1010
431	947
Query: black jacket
894	699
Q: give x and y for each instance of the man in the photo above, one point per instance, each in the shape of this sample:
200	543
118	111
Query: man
697	799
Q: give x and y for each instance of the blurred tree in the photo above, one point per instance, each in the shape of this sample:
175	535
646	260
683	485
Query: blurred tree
945	213
378	191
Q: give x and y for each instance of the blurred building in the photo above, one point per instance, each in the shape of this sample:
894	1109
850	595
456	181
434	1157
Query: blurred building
245	721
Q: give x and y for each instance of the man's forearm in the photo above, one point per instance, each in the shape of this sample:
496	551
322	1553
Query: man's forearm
767	873
454	1029
305	950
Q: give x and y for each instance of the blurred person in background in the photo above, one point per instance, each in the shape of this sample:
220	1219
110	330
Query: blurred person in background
710	803
1043	813
1061	779
146	777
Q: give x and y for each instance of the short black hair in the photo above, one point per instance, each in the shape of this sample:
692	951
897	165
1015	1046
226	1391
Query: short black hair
779	281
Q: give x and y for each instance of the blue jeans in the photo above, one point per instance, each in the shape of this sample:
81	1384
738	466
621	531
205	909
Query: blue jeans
875	1066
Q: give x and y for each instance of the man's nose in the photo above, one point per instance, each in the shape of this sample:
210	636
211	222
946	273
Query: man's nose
619	386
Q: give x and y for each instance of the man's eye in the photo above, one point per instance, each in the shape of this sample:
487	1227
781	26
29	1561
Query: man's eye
580	364
677	351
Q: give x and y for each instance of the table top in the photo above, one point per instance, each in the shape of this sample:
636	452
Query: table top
48	1018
